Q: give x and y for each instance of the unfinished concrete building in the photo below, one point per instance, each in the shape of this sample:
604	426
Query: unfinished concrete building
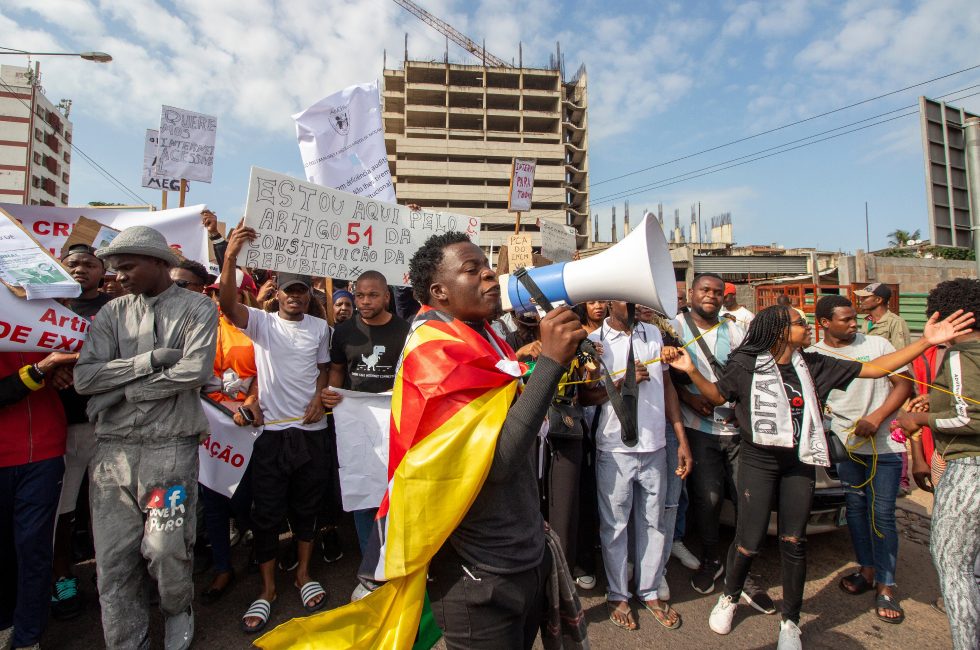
451	131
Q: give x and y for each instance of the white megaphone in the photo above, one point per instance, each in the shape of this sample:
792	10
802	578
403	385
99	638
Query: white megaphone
637	269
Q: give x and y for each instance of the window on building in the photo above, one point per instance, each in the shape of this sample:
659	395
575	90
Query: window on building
39	135
33	201
64	178
68	136
45	202
67	156
37	158
64	198
35	181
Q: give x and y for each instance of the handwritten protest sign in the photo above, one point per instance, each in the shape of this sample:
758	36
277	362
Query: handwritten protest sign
519	251
557	241
39	325
52	226
225	453
314	230
150	177
362	423
186	144
28	269
342	143
521	184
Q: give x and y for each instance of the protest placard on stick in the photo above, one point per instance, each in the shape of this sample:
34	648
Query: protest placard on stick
186	145
315	230
521	184
557	241
150	177
519	252
89	232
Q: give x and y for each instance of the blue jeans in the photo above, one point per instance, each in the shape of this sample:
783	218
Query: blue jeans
363	523
675	488
871	550
29	497
218	511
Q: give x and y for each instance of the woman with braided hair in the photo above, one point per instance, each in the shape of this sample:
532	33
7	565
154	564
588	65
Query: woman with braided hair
778	390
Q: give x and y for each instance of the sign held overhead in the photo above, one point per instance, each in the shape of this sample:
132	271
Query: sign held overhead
521	184
186	145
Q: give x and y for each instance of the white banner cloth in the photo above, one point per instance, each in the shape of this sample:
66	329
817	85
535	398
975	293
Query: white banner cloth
225	453
363	424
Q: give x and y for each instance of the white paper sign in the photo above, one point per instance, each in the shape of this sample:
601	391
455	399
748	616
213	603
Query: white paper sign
363	425
24	263
150	177
315	230
225	453
342	143
51	226
39	325
186	147
557	241
521	184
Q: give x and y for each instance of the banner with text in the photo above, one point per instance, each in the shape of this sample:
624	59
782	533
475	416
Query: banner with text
225	453
43	325
315	230
521	184
51	226
363	422
557	241
342	143
150	177
186	144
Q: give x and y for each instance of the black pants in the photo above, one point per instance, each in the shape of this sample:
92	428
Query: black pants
763	475
561	491
588	520
331	507
480	610
715	469
288	476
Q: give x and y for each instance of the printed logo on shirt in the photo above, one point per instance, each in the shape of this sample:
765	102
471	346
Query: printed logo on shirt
371	362
166	509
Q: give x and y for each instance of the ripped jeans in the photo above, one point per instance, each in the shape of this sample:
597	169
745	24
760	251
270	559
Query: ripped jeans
769	476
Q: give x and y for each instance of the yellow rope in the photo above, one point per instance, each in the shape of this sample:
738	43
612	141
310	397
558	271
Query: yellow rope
299	419
874	471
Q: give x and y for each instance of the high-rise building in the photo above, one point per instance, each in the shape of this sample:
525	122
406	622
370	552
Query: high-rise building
452	130
35	142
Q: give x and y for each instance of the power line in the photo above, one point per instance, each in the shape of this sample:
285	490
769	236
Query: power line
74	148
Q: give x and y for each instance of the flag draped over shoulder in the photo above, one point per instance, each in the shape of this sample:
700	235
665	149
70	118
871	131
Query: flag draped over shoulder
450	398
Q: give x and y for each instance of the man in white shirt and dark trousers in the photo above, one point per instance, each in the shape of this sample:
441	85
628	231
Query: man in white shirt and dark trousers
632	478
292	356
712	432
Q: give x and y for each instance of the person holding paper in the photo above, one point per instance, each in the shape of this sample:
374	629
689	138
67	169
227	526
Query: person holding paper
292	353
145	360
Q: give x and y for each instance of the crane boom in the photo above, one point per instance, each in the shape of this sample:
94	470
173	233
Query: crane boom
450	32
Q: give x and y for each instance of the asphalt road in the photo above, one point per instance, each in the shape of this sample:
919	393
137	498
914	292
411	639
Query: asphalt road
831	619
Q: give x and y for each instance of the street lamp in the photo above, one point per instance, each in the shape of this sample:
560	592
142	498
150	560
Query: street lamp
98	57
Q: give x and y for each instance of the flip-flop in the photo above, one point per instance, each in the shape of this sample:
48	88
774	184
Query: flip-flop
308	592
260	609
855	584
886	602
662	614
629	625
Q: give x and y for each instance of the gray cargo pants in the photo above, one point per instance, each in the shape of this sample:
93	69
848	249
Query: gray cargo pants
144	497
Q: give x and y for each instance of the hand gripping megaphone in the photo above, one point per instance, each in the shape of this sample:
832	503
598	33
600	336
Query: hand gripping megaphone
638	269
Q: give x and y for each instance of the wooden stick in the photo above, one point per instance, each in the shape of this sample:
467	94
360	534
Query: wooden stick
517	223
163	201
183	191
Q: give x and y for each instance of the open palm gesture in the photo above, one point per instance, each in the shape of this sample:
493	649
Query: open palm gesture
938	331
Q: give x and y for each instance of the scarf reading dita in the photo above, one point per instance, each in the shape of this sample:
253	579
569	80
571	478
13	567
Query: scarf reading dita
772	420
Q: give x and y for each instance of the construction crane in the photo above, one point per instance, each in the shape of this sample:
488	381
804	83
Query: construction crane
451	33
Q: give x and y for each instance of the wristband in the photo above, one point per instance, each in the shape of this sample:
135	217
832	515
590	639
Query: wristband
216	238
27	377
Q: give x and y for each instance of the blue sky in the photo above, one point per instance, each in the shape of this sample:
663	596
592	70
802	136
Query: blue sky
666	80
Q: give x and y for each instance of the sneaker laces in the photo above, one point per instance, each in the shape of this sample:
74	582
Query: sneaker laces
66	588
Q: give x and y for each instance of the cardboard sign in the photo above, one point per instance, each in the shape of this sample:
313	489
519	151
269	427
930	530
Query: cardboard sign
363	424
150	177
519	251
43	325
557	241
186	145
521	184
342	143
225	453
29	270
89	232
315	230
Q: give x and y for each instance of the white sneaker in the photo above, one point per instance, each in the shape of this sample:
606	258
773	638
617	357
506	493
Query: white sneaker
684	556
721	617
586	581
789	636
663	589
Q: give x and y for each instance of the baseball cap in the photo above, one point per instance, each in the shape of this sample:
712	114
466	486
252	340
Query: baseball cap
879	289
729	288
78	248
243	281
286	280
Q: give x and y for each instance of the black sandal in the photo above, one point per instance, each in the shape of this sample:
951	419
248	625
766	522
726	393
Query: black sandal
856	584
212	595
886	602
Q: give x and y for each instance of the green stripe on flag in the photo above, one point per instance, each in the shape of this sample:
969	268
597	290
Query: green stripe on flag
429	632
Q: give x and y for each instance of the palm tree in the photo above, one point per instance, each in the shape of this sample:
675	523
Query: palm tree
899	237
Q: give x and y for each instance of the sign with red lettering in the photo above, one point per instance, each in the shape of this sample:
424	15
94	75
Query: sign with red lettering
42	325
521	184
224	454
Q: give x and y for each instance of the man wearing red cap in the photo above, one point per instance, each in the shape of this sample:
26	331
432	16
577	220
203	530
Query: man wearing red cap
730	307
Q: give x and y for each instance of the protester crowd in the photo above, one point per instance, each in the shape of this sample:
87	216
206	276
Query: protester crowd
718	403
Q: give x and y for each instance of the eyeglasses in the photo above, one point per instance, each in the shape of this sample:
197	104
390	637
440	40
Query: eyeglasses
801	323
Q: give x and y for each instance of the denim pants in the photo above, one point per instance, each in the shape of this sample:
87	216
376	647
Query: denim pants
218	511
672	498
955	545
363	523
28	507
872	508
632	485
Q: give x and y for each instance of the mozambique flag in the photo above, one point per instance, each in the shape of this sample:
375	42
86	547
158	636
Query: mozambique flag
450	398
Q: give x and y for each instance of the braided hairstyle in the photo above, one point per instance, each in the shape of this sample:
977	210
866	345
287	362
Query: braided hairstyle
767	332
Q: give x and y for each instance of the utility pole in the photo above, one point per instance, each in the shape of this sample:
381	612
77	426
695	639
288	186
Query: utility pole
971	132
867	230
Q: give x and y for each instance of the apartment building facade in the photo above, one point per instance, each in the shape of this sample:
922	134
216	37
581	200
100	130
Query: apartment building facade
35	142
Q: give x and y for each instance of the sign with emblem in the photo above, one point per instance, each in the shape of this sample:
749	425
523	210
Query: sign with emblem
341	141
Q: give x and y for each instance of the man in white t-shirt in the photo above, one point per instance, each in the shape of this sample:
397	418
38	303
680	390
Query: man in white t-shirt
632	479
732	309
859	415
292	357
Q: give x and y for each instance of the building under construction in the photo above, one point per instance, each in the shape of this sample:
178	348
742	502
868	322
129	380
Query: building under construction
452	130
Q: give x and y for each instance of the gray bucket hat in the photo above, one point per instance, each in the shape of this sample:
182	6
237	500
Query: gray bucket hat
139	240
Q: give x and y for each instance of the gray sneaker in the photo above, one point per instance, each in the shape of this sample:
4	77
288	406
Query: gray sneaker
180	630
6	637
789	636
